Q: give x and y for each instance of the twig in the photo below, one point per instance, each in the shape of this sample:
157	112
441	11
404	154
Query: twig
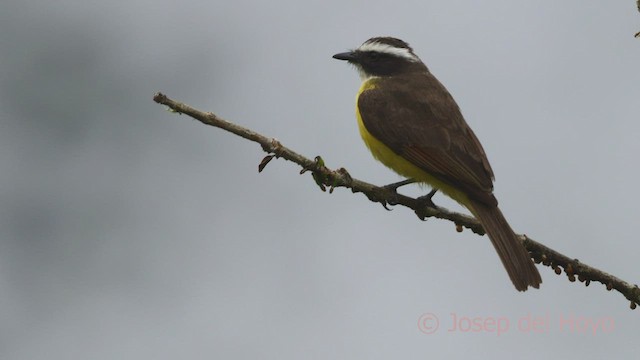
325	177
637	4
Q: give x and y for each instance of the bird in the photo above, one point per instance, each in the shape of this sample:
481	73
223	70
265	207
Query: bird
412	124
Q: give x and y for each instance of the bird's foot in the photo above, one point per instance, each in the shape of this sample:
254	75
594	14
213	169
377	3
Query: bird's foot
427	200
394	186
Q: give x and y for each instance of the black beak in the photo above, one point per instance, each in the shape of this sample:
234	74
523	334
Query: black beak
348	56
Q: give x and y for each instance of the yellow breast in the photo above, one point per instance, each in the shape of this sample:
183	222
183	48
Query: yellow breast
382	152
396	162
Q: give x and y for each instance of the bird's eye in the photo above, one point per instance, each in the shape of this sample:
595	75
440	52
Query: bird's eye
374	56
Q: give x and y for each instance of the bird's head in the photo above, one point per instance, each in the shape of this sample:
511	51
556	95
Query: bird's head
382	56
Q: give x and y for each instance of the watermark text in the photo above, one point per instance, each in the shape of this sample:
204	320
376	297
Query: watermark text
430	323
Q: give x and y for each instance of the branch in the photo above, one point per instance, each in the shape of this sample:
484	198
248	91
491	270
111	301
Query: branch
326	177
638	4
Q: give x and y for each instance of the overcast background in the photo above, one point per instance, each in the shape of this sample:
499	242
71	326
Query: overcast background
128	232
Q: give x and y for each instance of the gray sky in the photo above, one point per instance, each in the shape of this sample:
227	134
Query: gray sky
128	232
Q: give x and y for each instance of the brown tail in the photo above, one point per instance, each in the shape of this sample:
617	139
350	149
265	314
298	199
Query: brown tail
512	253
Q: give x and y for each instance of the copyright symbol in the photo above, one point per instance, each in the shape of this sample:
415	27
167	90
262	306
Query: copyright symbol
428	323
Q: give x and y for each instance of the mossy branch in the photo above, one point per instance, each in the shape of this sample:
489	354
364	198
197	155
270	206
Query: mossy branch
327	178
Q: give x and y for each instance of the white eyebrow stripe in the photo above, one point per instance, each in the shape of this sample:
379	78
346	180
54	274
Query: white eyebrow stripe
388	49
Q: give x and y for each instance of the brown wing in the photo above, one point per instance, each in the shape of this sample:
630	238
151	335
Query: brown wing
428	130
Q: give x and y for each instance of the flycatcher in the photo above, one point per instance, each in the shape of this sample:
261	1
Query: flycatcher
411	124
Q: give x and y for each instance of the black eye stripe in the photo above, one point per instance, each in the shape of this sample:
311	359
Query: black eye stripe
378	55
